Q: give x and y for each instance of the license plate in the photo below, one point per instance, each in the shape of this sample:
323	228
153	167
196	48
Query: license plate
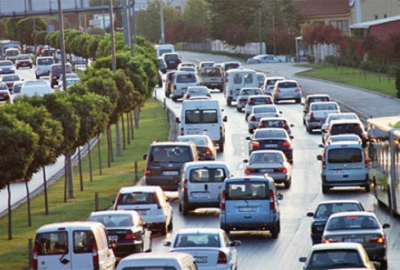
266	170
270	145
193	131
200	195
354	240
338	172
201	259
247	209
112	238
170	173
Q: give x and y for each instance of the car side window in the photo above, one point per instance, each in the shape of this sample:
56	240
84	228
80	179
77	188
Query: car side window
52	243
82	241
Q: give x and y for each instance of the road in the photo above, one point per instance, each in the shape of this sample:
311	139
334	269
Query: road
258	251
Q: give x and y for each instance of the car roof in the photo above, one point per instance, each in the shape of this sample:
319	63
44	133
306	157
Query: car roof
169	143
353	213
158	256
323	103
266	151
57	225
318	95
285	80
114	212
341	245
273	118
276	78
139	189
269	130
199	230
249	178
339	201
204	163
260	96
345	121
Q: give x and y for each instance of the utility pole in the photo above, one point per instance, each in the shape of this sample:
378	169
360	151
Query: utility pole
104	19
162	22
132	26
259	30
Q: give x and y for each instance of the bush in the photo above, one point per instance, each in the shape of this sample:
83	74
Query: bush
398	81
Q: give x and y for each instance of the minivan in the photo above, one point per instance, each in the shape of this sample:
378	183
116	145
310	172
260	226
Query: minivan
201	185
347	126
250	203
158	261
79	245
344	164
235	80
180	83
203	117
164	162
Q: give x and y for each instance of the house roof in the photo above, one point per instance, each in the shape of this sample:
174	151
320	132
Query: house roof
366	25
317	8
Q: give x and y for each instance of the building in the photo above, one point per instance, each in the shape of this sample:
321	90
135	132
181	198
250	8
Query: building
380	29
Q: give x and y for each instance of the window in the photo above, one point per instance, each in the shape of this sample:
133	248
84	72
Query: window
186	78
342	25
83	241
201	116
137	197
150	268
237	78
52	243
206	175
276	133
248	78
115	220
197	240
323	259
247	191
345	155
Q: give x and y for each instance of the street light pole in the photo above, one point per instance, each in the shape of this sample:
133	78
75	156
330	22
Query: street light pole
162	22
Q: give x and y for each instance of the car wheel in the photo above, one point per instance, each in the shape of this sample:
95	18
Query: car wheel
164	229
37	77
16	67
221	147
228	102
246	115
309	130
170	226
325	189
367	188
221	90
383	264
276	101
227	231
288	183
185	209
298	100
238	109
275	231
30	66
174	99
251	131
150	245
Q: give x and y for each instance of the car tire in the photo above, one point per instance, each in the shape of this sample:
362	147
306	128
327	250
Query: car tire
228	102
238	109
383	264
251	131
185	209
367	188
221	146
298	100
275	230
30	66
164	229
16	67
325	189
150	245
309	130
174	99
170	226
221	90
288	183
227	231
37	77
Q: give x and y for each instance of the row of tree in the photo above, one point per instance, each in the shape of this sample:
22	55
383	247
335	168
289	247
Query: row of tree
36	130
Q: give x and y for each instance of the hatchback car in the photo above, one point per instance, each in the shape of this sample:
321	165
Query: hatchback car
254	101
10	79
272	139
314	98
243	96
56	72
211	248
352	126
150	202
335	116
269	84
172	60
342	138
359	227
23	60
317	113
324	210
261	111
337	256
201	185
286	90
196	91
275	122
43	65
7	67
5	95
205	147
180	83
272	162
126	229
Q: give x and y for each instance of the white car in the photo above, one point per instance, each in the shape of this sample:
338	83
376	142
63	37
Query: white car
70	78
197	91
5	94
210	247
43	65
263	58
35	87
259	111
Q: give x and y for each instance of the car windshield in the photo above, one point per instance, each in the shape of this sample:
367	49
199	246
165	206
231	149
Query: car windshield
247	191
257	157
338	116
353	222
197	91
344	138
318	99
113	220
6	63
12	53
259	100
197	240
265	109
326	209
270	134
186	78
335	258
169	154
137	197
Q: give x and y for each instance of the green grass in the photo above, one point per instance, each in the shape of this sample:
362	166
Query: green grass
152	126
377	82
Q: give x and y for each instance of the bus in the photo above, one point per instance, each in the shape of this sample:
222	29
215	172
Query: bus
384	152
6	44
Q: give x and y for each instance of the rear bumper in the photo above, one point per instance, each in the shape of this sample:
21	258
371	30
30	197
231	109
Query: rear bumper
377	253
315	124
124	249
248	227
349	183
195	205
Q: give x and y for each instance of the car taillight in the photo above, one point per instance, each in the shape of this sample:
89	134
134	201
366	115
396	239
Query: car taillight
182	132
286	144
298	90
187	96
277	90
222	205
222	258
312	117
261	124
366	160
221	131
35	257
255	144
95	255
147	172
208	152
250	101
286	125
130	236
185	185
253	119
271	200
378	240
117	201
247	171
330	240
282	170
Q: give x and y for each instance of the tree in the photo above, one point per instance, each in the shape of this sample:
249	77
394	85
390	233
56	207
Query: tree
104	45
53	39
70	34
11	29
26	28
40	37
3	33
195	13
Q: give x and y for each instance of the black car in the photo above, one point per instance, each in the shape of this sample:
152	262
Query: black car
56	71
171	59
272	139
163	65
324	210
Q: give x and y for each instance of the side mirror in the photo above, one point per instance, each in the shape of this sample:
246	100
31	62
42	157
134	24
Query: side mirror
319	157
145	157
235	243
248	138
279	196
291	125
167	243
225	118
245	160
280	112
302	259
291	137
310	214
320	145
385	226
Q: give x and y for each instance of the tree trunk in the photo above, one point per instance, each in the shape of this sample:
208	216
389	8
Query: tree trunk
118	139
137	115
132	127
108	147
28	203
9	212
80	168
65	180
98	147
70	179
111	146
46	203
128	127
90	161
123	132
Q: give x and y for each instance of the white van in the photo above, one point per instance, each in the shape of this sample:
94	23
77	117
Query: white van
164	48
203	117
158	261
236	79
79	245
180	83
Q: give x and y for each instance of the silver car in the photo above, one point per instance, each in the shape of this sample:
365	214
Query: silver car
358	227
286	90
256	100
275	122
244	95
43	65
260	111
269	84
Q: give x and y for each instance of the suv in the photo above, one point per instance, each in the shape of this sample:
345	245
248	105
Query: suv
348	126
201	184
180	83
150	202
250	203
43	65
172	60
165	160
56	71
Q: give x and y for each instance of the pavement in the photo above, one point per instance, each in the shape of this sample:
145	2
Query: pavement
365	103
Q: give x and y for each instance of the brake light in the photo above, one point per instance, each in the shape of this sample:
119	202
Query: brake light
95	255
286	125
147	172
187	96
130	236
312	117
366	159
298	90
250	101
222	205
255	144
323	159
253	118
208	152
261	124
330	240
283	170
35	257
247	171
221	131
185	185
182	132
222	258
286	144
271	200
277	90
117	201
378	240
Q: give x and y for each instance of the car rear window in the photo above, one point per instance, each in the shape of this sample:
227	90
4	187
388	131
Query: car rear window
326	209
264	109
269	134
346	128
329	258
318	99
287	85
197	240
353	222
249	190
212	72
116	220
231	66
45	61
171	154
206	175
171	56
274	123
137	197
323	107
345	155
201	116
186	78
52	243
259	100
272	82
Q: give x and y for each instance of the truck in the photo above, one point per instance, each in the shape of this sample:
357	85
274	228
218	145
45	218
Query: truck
7	44
211	78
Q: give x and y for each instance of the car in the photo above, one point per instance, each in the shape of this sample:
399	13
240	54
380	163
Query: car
185	64
7	67
70	82
56	71
211	78
317	113
10	79
254	101
225	66
35	87
272	162
260	111
261	79
23	60
347	126
286	90
324	210
163	65
126	229
16	91
11	54
200	185
244	94
43	65
342	138
150	202
164	162
269	84
169	78
171	59
68	76
250	203
205	64
189	69
335	116
5	95
263	58
180	83
211	247
205	147
275	122
313	98
195	91
272	139
337	256
359	227
160	260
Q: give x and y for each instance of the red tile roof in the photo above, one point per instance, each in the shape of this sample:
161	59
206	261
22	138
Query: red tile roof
314	8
